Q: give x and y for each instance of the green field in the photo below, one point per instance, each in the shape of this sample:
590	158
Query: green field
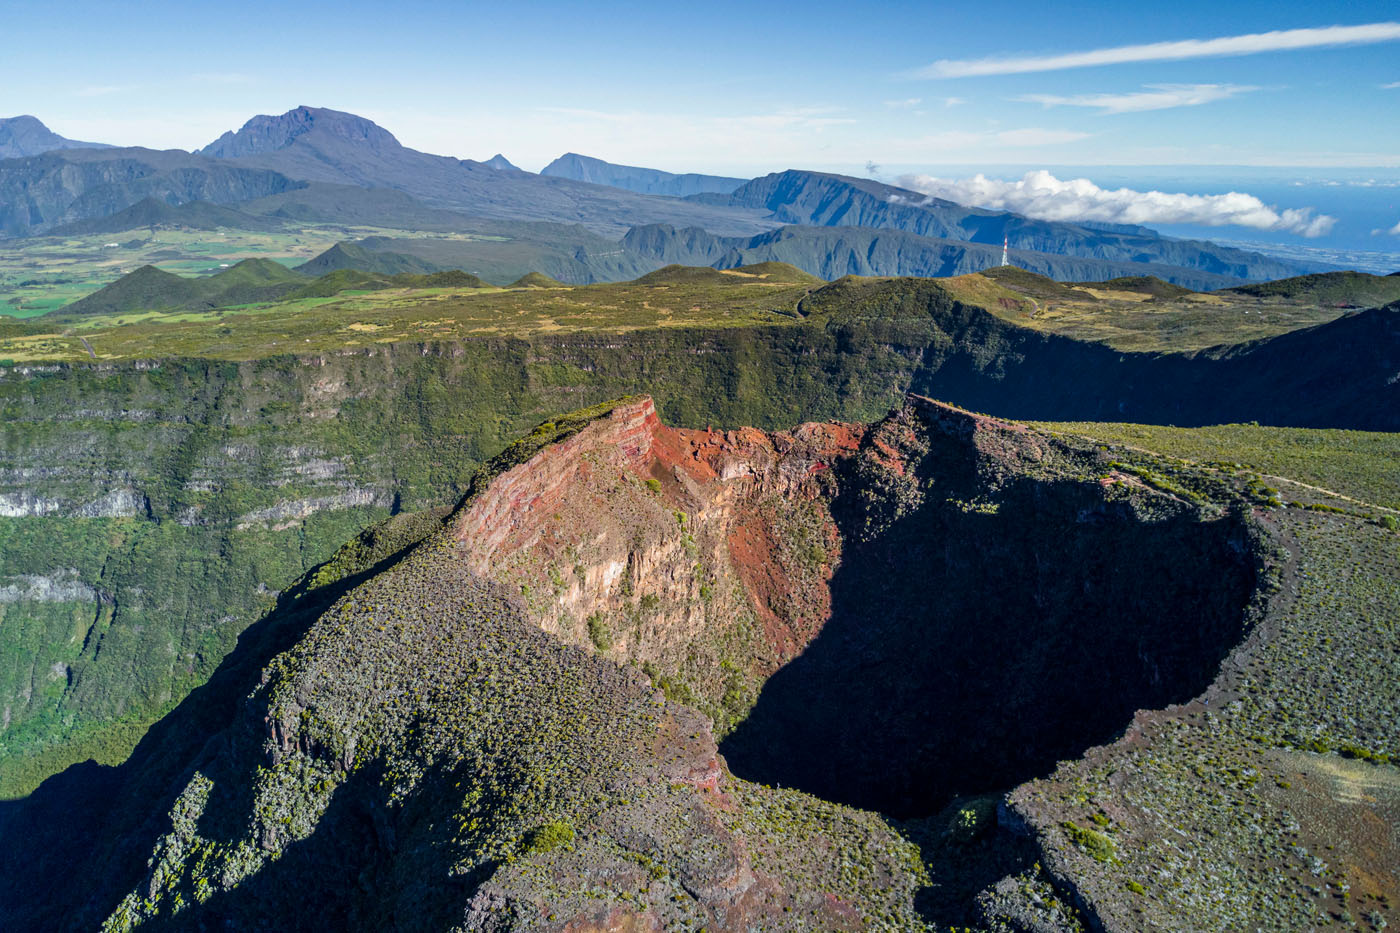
42	274
359	319
1356	465
1134	320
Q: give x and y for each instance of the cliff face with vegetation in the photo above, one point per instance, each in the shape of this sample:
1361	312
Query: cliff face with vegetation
411	740
496	718
153	509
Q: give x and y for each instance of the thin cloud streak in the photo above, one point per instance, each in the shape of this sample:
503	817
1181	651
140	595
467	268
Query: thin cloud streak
1156	97
1251	44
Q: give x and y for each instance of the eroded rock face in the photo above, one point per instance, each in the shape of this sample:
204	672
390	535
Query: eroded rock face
940	603
701	554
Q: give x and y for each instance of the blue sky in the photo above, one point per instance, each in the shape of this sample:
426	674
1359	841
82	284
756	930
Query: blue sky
736	88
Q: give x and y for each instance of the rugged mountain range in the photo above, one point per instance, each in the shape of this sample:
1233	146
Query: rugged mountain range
66	186
152	212
831	252
25	136
314	144
312	165
817	199
642	180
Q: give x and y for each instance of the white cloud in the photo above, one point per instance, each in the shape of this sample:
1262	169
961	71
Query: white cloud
1391	86
954	101
1156	97
1393	231
1041	195
1276	41
906	104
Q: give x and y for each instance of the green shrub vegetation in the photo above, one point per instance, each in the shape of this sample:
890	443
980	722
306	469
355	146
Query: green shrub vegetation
1098	846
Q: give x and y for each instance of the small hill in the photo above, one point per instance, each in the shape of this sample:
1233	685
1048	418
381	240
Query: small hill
1143	284
779	272
340	280
248	281
343	280
1029	283
153	212
536	280
151	289
1336	289
685	275
448	278
354	256
147	289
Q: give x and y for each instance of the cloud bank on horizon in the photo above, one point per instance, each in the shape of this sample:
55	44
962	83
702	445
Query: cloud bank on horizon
1041	195
1250	44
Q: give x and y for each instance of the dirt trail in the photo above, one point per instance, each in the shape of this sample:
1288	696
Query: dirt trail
1328	492
1282	479
91	352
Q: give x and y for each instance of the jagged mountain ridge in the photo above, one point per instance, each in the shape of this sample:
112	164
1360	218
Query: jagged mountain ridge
319	145
46	191
25	135
265	133
818	199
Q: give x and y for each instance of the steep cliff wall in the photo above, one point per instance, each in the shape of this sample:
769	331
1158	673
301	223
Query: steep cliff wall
215	484
152	510
701	556
430	731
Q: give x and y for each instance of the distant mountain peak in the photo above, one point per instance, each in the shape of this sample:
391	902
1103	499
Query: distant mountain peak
265	133
578	167
25	135
501	163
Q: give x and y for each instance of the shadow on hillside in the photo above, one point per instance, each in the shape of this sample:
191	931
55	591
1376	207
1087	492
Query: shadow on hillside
74	847
353	872
968	652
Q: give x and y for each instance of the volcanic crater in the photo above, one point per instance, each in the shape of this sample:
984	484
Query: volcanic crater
888	616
